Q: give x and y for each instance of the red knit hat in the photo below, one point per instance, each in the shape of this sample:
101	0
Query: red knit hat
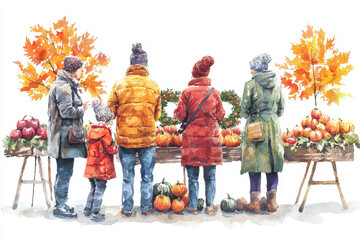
202	67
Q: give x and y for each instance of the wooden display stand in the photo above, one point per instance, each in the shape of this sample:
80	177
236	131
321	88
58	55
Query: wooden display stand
312	155
37	157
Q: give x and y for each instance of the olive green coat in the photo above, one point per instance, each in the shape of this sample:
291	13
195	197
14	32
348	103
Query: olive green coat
268	155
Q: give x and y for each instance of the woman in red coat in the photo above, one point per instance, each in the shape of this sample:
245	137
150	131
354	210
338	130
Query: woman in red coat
201	139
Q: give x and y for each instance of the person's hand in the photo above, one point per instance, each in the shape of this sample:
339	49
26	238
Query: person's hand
86	105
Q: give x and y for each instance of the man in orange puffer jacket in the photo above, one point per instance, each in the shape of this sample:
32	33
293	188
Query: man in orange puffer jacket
136	102
100	160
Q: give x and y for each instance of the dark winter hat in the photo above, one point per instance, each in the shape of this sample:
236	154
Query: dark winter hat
202	67
71	64
138	56
102	112
260	62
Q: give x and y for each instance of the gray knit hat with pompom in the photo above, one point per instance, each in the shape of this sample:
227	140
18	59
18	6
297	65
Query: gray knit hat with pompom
138	55
102	112
260	62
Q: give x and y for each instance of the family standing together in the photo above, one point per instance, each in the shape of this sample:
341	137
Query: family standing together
135	104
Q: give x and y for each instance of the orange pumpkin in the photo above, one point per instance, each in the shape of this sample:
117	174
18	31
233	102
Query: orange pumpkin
186	199
324	119
176	140
297	131
344	127
170	129
162	203
163	139
306	132
320	127
177	205
179	189
332	127
222	140
158	130
232	140
326	135
286	135
316	136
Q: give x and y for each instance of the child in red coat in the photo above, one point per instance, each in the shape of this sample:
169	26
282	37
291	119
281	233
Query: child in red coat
100	160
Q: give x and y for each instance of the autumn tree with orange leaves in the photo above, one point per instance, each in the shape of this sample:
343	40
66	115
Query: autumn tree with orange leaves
317	68
47	53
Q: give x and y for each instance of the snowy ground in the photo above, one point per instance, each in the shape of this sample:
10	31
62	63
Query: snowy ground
323	215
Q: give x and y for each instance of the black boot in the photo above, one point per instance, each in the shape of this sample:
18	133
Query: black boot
62	212
97	217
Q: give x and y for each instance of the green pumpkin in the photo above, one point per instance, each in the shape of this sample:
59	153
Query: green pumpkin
200	204
228	204
164	188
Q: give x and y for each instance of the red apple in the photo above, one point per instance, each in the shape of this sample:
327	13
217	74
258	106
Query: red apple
316	113
22	124
34	123
42	132
291	140
225	132
15	134
158	130
236	130
28	132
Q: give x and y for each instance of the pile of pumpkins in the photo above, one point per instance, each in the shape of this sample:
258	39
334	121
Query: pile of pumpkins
170	197
169	136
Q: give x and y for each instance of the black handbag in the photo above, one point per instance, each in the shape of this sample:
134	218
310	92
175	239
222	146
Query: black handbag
186	123
76	132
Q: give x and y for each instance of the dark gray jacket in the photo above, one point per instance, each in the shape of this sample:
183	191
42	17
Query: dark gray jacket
64	107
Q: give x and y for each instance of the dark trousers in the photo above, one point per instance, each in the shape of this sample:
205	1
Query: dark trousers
63	175
95	196
255	181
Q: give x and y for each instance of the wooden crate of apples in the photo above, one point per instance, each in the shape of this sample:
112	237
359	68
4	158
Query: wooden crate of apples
29	138
318	133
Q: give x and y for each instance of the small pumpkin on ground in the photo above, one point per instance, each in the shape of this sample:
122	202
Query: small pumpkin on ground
241	204
186	199
163	187
200	204
179	189
162	203
228	204
178	205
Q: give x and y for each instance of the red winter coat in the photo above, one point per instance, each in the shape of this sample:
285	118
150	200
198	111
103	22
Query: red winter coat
100	159
201	139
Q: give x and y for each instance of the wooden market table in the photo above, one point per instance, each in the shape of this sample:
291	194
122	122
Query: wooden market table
312	155
26	154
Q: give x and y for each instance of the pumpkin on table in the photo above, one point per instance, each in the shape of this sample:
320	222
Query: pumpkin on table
163	139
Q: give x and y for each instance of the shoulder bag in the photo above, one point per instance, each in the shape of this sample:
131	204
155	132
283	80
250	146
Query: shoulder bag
255	131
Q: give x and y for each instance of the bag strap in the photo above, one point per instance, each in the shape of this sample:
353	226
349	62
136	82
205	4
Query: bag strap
257	100
200	105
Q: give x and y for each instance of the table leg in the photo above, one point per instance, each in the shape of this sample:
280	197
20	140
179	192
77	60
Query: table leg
43	183
338	185
301	209
49	178
33	191
302	183
17	195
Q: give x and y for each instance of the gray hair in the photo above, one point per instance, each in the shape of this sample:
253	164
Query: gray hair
260	62
102	112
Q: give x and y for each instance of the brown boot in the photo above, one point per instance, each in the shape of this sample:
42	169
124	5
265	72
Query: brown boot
254	205
271	201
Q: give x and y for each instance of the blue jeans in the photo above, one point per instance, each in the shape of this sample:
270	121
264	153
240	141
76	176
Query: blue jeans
210	188
95	196
63	175
147	161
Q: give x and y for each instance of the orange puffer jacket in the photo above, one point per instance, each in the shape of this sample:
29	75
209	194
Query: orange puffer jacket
100	159
136	103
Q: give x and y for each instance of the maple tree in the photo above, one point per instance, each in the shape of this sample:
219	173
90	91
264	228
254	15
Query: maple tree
47	53
317	68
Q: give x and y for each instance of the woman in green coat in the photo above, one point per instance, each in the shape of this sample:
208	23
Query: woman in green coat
263	94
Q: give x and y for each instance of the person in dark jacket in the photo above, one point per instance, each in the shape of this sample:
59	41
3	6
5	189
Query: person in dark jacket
201	139
64	108
265	93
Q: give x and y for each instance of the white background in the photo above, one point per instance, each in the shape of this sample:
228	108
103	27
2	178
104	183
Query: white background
175	35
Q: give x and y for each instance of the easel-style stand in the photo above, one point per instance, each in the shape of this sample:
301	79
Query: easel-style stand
312	182
33	182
